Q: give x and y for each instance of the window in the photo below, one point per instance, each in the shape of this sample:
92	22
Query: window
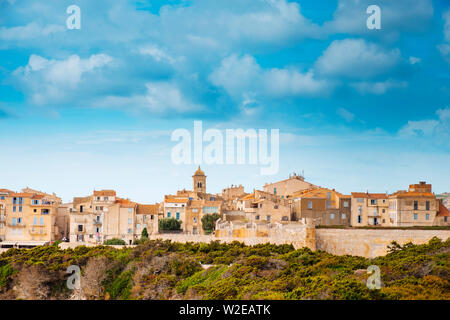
194	210
384	200
81	208
195	220
178	216
151	217
309	204
359	209
14	200
212	199
345	204
328	195
344	216
331	215
98	218
275	206
359	219
19	220
20	209
130	220
360	200
168	214
445	219
260	205
256	217
268	218
2	197
41	220
373	201
80	227
14	209
34	210
416	205
328	204
274	190
284	218
427	205
427	216
374	211
130	230
384	210
415	216
97	230
138	226
98	198
35	221
35	202
105	198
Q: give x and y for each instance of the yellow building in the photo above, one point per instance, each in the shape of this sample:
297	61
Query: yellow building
30	218
370	209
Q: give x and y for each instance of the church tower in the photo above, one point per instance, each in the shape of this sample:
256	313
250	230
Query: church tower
199	181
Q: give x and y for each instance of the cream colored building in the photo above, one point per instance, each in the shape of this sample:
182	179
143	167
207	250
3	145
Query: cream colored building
286	188
416	207
104	216
370	209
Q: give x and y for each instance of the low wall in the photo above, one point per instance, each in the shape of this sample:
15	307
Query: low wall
370	243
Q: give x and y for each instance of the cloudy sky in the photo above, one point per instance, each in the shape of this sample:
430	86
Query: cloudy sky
93	108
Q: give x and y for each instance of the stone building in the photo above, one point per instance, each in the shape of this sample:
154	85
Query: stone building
369	209
324	206
286	188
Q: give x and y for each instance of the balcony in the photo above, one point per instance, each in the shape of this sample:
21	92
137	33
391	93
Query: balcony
374	214
38	230
17	225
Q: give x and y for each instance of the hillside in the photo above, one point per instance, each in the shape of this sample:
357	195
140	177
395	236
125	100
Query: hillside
167	270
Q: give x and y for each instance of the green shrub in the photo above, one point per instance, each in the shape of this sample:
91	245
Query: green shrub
209	222
169	224
115	241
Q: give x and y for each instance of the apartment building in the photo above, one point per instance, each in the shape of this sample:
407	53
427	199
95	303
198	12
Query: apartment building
286	188
325	206
104	216
370	209
147	218
416	207
29	218
3	195
261	206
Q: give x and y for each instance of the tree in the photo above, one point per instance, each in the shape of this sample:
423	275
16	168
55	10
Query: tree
209	222
169	224
144	233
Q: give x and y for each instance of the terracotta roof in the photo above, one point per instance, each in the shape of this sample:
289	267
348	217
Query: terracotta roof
6	191
176	200
247	197
147	208
106	193
412	194
443	211
125	203
317	193
38	196
369	195
21	195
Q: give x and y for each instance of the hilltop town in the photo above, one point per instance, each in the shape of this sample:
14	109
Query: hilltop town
31	218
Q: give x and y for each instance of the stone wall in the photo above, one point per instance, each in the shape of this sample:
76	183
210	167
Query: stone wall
370	243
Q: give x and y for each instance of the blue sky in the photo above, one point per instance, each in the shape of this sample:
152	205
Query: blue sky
357	109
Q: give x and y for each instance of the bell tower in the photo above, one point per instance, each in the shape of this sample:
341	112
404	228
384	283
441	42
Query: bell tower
199	181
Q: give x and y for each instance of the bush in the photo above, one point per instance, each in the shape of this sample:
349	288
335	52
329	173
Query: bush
115	241
144	233
209	222
168	224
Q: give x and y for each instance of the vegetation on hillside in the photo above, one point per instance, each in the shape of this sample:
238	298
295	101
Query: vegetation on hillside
167	270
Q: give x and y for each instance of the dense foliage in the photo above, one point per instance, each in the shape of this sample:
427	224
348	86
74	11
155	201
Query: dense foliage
209	222
169	224
167	270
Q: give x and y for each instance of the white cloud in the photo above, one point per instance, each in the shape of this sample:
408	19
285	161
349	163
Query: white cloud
161	97
29	31
356	58
157	53
50	80
436	129
414	60
379	87
345	114
241	76
444	48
